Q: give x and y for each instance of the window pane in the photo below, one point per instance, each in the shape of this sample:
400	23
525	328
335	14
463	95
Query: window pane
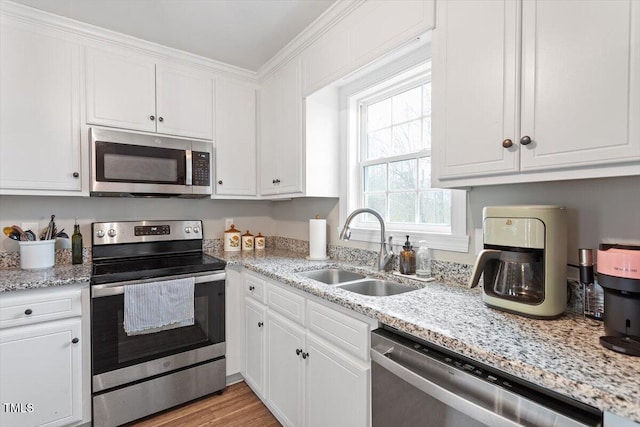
407	138
375	178
402	175
426	133
402	207
426	99
379	115
407	105
377	202
378	144
435	207
424	173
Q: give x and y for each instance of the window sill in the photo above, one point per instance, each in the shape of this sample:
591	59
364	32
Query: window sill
444	242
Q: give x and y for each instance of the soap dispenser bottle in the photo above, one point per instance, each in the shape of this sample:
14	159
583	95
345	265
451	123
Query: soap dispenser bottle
407	259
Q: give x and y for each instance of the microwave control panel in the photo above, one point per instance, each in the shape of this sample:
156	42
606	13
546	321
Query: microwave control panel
201	168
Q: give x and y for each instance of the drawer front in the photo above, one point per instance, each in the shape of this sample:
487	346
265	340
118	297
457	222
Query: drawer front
255	288
25	311
286	303
345	332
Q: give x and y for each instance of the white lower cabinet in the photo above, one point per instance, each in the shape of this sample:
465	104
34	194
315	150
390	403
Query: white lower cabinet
43	369
311	356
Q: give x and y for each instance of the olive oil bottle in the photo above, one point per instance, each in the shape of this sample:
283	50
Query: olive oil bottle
76	244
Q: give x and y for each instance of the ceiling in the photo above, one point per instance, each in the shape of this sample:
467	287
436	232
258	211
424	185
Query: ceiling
244	33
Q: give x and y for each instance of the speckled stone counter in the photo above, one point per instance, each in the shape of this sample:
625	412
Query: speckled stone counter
562	355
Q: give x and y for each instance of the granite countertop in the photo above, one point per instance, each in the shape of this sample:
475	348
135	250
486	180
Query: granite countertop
563	355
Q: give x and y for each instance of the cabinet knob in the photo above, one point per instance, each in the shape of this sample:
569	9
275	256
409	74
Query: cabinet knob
76	174
305	355
298	351
160	119
251	288
220	182
75	340
525	140
152	118
273	182
28	311
507	143
277	181
260	324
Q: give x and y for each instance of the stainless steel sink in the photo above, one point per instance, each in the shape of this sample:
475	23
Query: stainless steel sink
332	276
377	288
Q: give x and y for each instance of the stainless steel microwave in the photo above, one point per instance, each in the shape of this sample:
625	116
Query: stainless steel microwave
130	164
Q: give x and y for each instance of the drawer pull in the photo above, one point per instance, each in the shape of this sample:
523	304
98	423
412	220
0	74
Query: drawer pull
75	340
28	311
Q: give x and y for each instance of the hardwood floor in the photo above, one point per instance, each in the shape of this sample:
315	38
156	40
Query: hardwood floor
238	406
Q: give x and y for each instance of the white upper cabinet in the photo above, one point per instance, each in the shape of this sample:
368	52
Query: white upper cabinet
40	82
374	29
235	139
131	91
552	95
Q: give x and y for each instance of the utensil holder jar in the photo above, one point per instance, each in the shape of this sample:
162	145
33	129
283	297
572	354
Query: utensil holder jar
37	254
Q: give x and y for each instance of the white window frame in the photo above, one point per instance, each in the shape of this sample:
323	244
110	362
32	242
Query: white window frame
396	73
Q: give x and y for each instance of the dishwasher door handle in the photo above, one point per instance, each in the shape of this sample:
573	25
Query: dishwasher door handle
440	393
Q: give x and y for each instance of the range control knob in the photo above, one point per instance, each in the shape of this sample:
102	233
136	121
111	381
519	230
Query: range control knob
196	230
187	229
100	234
111	232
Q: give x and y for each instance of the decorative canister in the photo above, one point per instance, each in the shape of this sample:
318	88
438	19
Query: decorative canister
260	242
247	241
232	239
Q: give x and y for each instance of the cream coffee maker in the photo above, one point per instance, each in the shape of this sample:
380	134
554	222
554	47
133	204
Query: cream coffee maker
524	260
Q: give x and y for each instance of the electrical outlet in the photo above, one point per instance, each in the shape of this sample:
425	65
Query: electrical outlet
33	226
228	222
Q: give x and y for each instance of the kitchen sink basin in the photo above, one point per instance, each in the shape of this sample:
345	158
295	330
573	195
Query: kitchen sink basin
377	288
332	276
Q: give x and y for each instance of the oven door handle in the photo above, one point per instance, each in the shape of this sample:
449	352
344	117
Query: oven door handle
111	289
440	393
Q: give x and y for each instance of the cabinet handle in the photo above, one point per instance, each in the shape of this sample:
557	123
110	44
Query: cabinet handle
273	182
260	324
76	174
305	355
219	182
525	140
251	288
298	351
28	311
75	340
160	119
152	118
507	143
277	181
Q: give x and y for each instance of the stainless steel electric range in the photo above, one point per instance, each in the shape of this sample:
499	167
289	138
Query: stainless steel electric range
135	375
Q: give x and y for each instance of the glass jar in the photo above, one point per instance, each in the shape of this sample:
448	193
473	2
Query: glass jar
423	261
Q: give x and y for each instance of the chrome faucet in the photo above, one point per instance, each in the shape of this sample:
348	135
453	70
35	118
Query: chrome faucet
386	255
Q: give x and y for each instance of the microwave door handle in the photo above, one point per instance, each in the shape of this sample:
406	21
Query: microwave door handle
189	167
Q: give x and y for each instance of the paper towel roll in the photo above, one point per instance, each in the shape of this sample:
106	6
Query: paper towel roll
318	239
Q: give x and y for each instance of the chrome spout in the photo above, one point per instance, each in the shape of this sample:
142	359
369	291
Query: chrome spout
385	254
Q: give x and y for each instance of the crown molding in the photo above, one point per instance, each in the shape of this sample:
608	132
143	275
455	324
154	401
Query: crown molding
90	32
334	14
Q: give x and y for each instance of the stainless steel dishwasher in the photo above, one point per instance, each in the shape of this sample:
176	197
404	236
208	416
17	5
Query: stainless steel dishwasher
415	383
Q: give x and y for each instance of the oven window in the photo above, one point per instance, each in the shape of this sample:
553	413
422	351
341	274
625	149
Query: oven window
139	164
114	349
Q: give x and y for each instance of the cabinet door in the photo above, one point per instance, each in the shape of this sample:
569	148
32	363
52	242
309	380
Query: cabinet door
39	110
581	83
184	102
121	91
235	139
254	345
475	82
289	155
41	374
234	322
285	376
336	381
269	126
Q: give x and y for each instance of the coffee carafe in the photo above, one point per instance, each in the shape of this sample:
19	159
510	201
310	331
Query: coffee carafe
523	263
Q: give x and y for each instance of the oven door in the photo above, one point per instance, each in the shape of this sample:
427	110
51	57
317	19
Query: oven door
119	359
